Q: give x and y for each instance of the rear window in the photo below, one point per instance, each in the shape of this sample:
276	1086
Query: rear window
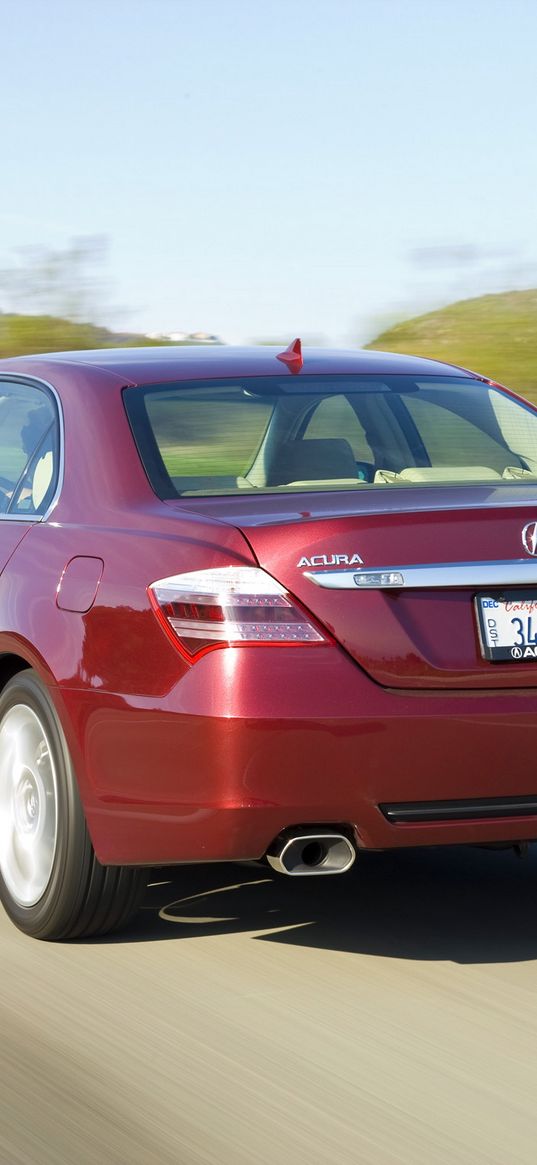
269	435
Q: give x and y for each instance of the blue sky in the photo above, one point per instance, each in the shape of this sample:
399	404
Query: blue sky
265	168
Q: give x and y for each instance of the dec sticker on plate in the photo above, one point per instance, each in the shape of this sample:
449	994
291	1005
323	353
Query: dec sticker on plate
508	625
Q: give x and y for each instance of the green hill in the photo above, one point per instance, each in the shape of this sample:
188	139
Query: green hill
495	335
22	335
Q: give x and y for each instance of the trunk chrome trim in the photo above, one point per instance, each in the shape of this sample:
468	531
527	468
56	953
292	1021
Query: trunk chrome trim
511	572
480	809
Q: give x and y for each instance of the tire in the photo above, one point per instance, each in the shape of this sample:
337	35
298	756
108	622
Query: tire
51	884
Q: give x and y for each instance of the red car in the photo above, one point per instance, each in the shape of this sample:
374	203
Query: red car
254	605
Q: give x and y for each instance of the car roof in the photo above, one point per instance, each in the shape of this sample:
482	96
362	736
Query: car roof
168	363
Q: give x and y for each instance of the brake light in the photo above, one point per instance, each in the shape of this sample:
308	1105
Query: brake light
229	606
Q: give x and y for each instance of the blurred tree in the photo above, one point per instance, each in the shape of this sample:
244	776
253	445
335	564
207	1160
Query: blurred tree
68	283
55	300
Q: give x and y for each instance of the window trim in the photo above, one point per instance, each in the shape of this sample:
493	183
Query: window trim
33	382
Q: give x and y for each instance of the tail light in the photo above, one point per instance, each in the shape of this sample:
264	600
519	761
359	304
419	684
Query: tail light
228	606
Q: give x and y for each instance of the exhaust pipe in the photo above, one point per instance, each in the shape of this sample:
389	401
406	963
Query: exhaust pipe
319	852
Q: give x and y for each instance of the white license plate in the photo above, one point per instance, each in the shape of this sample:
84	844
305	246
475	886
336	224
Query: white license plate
508	625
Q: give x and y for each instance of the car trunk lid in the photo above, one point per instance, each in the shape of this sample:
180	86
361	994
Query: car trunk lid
418	635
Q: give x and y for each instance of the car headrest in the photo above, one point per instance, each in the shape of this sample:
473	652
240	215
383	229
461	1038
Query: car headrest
311	460
42	478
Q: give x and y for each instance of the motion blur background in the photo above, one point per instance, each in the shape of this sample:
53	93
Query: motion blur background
353	171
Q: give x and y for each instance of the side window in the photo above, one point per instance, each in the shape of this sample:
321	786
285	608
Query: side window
29	449
335	417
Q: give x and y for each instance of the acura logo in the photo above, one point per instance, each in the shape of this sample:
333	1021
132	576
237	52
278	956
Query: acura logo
529	538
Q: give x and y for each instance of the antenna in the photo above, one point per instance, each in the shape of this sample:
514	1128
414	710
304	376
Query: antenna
292	356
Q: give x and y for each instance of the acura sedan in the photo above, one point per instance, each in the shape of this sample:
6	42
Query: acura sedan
257	605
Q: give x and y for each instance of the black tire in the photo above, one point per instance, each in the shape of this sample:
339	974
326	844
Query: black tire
79	897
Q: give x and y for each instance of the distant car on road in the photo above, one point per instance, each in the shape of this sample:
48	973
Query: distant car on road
255	605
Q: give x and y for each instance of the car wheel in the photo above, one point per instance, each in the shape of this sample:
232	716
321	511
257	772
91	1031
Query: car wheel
51	883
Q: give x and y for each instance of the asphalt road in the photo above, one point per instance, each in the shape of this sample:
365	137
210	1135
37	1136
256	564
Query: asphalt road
386	1016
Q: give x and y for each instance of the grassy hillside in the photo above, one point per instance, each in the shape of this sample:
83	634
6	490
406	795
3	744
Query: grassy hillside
21	335
495	335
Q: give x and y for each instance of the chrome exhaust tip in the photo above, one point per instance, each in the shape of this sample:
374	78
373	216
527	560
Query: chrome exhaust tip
321	852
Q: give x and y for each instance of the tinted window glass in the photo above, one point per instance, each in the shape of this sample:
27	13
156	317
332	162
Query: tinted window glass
452	439
335	417
29	448
334	432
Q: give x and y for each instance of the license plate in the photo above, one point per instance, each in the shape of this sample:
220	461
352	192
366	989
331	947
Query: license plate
508	625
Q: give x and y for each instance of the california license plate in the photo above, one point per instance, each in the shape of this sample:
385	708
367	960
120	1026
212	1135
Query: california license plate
508	625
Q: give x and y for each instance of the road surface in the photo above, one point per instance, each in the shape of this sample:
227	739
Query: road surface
385	1017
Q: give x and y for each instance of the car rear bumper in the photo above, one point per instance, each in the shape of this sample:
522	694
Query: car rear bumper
252	741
